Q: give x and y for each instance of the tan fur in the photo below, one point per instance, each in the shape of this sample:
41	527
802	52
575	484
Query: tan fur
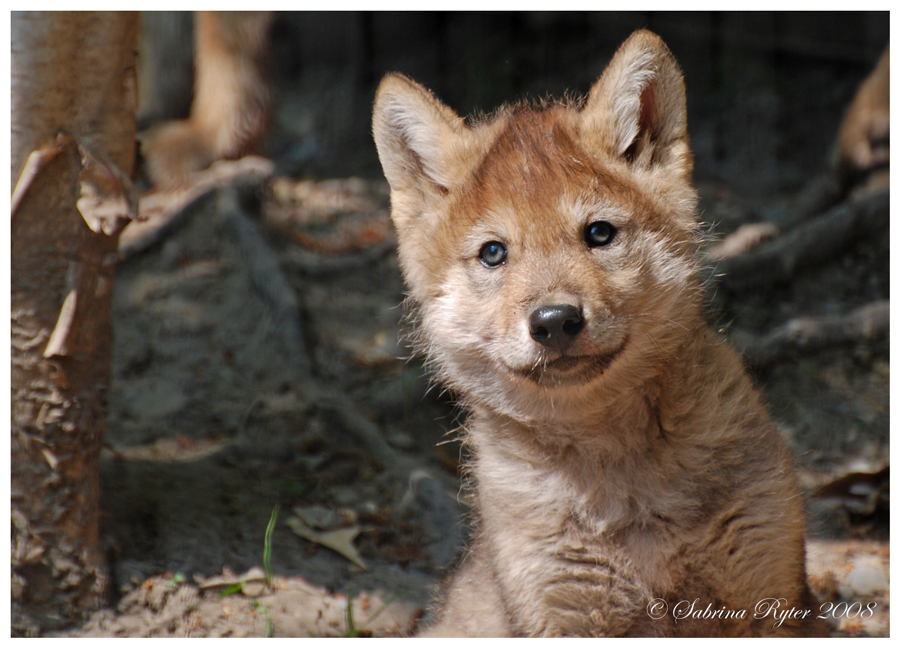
637	464
865	130
230	111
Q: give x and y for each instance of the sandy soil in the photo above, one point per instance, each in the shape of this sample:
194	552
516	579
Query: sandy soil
259	363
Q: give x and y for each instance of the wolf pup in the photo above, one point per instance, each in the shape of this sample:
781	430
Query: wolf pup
625	474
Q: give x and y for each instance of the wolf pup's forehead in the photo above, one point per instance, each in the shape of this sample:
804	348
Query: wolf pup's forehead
632	124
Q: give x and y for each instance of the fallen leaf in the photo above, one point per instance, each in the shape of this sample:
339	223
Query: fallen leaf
746	238
339	540
252	574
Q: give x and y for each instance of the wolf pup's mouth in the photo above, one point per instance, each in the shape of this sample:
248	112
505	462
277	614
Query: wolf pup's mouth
567	371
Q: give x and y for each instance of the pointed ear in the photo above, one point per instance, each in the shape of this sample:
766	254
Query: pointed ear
637	110
415	135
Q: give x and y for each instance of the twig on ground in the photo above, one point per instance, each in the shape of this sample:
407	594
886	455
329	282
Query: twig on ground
809	334
808	245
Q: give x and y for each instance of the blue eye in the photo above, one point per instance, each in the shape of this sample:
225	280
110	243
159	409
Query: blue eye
493	254
599	233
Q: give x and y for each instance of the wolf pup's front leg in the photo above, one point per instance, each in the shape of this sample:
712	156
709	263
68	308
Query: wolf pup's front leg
623	466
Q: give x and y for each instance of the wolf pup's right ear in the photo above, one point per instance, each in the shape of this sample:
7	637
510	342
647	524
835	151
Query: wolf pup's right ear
415	135
637	110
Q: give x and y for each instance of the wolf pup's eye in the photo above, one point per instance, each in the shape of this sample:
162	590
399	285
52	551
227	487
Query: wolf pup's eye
493	254
599	233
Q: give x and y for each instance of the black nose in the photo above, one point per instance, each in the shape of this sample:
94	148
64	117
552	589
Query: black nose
556	326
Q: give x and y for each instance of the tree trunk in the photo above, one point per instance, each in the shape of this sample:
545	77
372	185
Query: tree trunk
73	143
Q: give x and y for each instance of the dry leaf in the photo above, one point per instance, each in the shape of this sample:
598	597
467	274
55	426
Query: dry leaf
252	574
339	540
746	238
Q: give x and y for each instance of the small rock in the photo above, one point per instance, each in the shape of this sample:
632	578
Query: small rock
348	516
401	440
170	254
369	507
311	463
866	580
156	399
345	496
845	591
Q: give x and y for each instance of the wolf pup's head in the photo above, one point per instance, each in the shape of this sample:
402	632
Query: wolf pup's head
549	250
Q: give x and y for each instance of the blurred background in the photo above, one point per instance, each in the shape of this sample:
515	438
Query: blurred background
766	91
260	355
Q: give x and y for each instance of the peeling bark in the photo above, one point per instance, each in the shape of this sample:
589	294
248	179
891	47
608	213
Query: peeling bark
73	99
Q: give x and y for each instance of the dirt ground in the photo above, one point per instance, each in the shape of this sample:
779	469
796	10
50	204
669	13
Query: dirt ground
259	364
261	381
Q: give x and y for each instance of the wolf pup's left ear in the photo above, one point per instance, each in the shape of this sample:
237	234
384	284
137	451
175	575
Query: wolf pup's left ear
415	135
637	110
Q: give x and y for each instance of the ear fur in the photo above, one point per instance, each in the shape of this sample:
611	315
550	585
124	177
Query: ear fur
637	110
415	135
